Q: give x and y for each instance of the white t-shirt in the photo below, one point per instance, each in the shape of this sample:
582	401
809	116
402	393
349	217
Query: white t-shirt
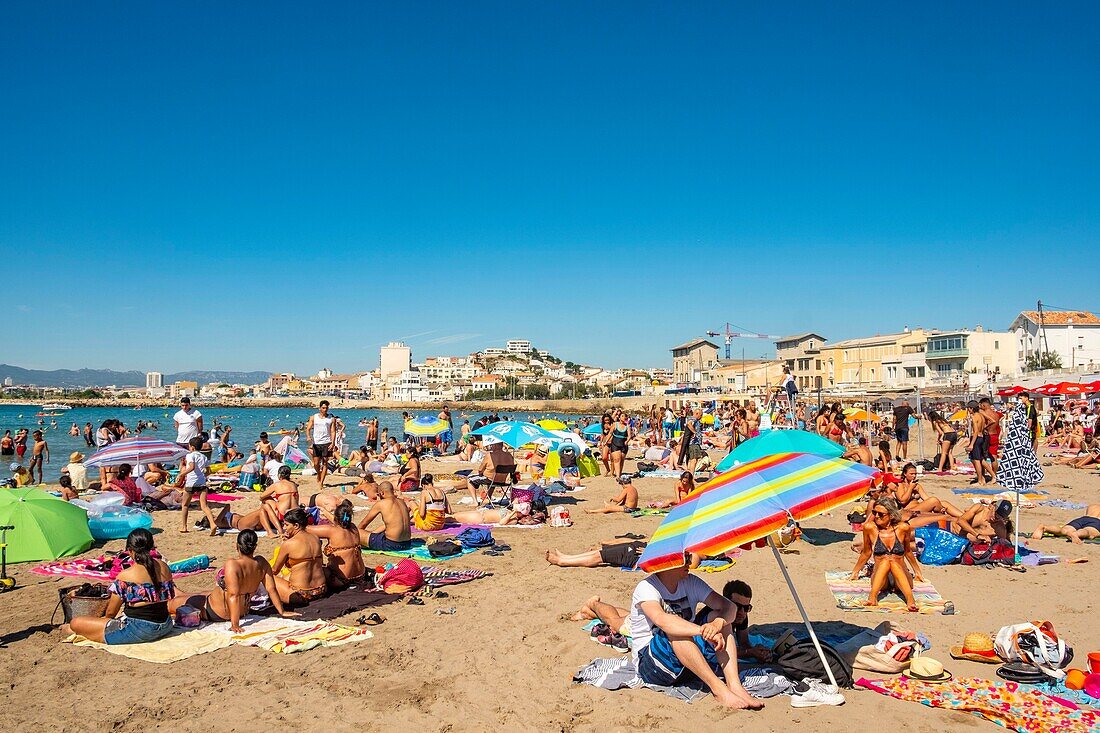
188	425
681	602
656	453
197	476
322	429
271	468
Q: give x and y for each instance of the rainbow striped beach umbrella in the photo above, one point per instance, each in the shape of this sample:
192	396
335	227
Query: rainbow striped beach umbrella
139	449
750	502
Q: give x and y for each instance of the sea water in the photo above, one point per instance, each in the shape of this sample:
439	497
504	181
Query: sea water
247	423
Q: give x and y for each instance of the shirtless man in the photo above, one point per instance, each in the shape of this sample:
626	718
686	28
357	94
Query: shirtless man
993	431
40	454
372	434
983	522
626	501
280	498
752	420
859	453
395	535
1076	530
978	445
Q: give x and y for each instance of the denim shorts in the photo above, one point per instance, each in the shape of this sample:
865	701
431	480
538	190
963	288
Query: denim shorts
135	630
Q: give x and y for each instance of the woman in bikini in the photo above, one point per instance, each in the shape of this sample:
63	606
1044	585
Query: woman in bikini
342	547
604	443
300	553
685	486
429	512
236	583
281	497
946	437
255	520
890	541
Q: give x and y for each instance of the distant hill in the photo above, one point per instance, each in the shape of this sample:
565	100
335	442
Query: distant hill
74	378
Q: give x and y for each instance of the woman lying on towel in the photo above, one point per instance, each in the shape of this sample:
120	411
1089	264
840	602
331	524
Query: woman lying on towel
301	554
521	512
890	540
236	583
141	591
345	556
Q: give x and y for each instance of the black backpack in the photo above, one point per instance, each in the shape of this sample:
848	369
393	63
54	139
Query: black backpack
801	661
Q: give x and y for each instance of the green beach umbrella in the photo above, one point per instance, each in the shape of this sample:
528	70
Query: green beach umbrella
771	442
46	527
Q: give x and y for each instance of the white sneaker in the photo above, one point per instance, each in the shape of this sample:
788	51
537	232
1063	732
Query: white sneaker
817	693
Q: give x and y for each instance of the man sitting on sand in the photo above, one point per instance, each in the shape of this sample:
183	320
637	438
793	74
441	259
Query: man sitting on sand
1076	530
395	535
859	453
625	501
669	648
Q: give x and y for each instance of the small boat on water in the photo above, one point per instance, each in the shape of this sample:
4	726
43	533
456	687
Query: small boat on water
55	406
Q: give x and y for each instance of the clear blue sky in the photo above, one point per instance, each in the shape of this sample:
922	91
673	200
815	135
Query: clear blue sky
287	186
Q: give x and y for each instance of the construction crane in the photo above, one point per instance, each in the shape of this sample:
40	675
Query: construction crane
730	335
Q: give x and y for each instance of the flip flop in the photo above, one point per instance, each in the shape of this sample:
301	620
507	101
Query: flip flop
372	619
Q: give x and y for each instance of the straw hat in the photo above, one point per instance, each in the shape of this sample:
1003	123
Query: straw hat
976	647
926	669
76	457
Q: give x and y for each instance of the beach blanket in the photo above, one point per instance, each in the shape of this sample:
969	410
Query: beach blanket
419	551
344	602
851	594
976	491
1061	504
620	672
441	576
221	497
1094	541
180	644
449	530
290	636
88	567
668	473
1012	706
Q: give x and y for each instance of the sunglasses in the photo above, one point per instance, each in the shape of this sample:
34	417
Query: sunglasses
746	607
881	514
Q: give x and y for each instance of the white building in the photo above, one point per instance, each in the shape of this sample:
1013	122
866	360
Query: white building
519	346
981	355
1073	335
395	359
154	380
493	351
409	388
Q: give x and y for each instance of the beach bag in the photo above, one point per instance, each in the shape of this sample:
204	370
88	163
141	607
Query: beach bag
988	553
475	537
444	548
644	467
1036	643
801	661
86	599
940	547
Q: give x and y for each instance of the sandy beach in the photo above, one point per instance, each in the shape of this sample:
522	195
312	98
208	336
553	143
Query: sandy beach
504	660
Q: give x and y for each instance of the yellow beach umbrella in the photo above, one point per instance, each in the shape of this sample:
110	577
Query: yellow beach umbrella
707	420
958	415
860	415
551	424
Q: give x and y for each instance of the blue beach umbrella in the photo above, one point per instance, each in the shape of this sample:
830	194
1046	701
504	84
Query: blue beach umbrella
773	442
513	432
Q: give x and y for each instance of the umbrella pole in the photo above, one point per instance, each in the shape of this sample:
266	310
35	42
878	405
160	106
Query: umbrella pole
802	610
1016	545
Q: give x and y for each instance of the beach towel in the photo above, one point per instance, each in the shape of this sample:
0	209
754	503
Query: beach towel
440	576
1061	504
1010	705
1094	541
349	600
419	551
221	497
851	594
180	644
620	672
449	530
89	567
715	565
648	512
290	636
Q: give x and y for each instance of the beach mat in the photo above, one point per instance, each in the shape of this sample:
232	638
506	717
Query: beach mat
1011	706
344	602
850	595
86	568
290	636
221	497
974	491
180	644
1095	541
647	512
419	551
441	576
